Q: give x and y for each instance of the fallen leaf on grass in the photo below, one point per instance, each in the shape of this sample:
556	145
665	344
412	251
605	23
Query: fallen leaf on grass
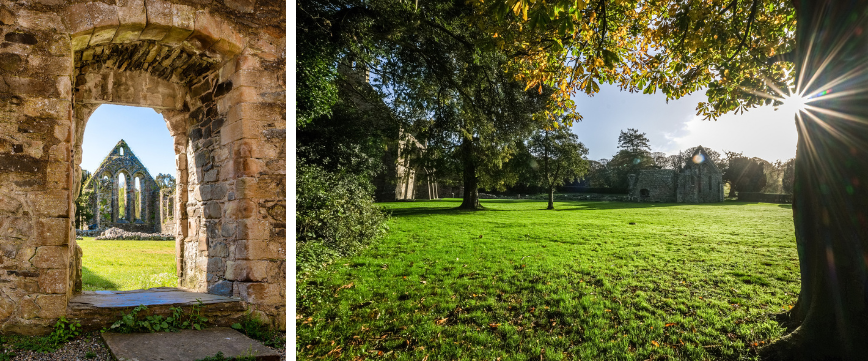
655	343
441	321
493	325
669	324
423	282
346	286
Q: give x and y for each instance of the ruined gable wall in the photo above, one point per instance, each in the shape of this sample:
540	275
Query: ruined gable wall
238	131
660	183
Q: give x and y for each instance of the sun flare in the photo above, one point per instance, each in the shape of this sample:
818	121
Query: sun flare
794	103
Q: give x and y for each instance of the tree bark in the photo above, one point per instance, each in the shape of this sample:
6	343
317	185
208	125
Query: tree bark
830	196
471	183
551	198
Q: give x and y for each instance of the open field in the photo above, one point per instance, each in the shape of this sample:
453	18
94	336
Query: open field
516	282
127	265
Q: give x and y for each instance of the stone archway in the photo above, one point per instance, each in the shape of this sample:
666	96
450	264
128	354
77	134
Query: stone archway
216	73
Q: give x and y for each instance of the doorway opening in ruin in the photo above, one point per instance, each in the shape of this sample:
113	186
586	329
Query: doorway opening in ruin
125	150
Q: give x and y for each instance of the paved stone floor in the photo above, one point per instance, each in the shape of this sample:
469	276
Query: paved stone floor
148	297
186	345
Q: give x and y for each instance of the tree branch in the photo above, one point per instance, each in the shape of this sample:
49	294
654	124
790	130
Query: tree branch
750	19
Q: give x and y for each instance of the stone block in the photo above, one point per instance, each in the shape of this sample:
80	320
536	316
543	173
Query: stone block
245	6
53	108
59	153
246	167
51	306
159	12
39	20
50	257
16	228
263	80
53	231
104	19
240	209
218	249
53	281
253	229
259	293
76	19
27	309
50	203
208	25
260	250
213	210
11	203
247	270
222	288
183	17
237	96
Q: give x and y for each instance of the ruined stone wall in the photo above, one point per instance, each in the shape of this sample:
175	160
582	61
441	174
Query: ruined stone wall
660	185
214	69
700	183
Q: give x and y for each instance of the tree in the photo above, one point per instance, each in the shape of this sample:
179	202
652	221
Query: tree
789	176
745	175
83	210
165	181
633	141
560	156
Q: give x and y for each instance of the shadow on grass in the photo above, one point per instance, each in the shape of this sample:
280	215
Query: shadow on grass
93	282
426	211
787	206
431	207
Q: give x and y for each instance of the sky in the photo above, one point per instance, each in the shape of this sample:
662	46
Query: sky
761	132
143	129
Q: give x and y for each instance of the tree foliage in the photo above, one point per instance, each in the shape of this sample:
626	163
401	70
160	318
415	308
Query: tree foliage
83	210
335	216
745	174
730	48
633	141
165	181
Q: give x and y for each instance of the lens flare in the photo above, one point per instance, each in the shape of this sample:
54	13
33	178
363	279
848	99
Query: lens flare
699	158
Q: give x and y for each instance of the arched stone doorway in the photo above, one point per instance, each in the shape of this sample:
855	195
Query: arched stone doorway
217	75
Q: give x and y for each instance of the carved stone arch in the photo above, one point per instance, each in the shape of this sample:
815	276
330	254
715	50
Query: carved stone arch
217	75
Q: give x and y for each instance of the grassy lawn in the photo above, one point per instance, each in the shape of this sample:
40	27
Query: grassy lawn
127	265
516	282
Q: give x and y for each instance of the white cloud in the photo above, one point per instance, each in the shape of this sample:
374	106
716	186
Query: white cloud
762	132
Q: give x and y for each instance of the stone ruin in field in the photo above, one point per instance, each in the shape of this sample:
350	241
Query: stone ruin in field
215	70
698	181
140	193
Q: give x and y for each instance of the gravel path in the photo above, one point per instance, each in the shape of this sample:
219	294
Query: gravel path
77	351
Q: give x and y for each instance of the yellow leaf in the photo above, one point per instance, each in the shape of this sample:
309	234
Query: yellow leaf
516	8
655	343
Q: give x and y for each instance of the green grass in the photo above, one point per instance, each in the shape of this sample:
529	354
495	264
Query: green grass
689	282
127	265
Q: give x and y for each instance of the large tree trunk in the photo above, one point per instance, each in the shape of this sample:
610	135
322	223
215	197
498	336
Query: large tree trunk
471	184
830	197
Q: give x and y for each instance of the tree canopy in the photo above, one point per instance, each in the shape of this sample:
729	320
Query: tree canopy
559	157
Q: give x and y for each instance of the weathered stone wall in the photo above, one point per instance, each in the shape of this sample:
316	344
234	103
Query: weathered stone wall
214	69
700	183
653	185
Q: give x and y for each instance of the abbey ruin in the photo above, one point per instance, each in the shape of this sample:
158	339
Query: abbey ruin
215	70
698	181
122	179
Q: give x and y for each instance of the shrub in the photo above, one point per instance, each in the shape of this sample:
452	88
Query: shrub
335	216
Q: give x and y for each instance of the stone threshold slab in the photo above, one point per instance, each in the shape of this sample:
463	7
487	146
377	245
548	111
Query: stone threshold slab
185	345
148	297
